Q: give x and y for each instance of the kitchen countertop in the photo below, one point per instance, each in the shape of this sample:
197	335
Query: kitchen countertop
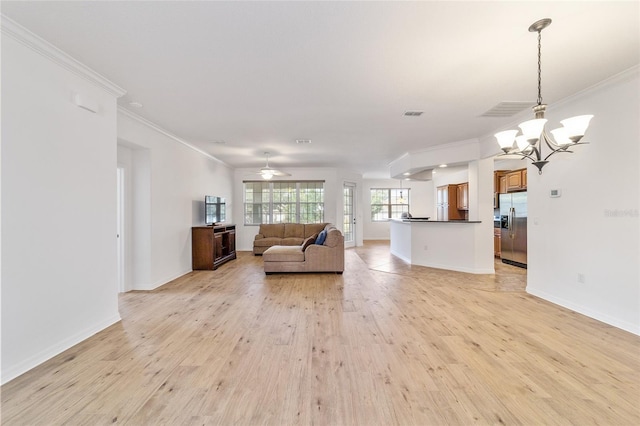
436	221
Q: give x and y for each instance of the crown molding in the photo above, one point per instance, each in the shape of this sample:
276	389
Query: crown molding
166	133
12	29
620	77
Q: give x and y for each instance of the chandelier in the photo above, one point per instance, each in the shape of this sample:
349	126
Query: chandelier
534	136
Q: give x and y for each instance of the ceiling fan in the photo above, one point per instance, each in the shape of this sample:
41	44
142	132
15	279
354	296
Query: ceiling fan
267	172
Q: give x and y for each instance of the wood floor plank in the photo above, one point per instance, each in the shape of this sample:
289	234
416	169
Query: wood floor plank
386	343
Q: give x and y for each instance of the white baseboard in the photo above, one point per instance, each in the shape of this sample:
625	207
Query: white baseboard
605	318
11	372
458	268
401	257
160	282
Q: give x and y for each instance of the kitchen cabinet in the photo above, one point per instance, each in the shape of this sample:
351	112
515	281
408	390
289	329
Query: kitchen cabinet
516	180
446	203
499	186
497	242
211	246
463	196
502	185
500	181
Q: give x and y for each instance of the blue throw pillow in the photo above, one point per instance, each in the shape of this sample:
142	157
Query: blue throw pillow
321	237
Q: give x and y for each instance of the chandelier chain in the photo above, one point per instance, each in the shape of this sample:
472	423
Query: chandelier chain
539	67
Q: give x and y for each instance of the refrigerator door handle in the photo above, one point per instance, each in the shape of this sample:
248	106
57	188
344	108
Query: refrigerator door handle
512	219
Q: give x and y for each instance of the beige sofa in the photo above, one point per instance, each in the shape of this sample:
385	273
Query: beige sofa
310	257
284	234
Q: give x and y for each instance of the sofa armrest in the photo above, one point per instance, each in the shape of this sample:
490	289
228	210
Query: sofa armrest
258	237
324	258
315	250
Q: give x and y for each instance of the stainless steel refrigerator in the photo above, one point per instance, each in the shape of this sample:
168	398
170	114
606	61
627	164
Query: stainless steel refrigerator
513	224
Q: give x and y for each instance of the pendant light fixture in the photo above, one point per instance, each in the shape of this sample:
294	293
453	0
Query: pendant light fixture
401	199
534	135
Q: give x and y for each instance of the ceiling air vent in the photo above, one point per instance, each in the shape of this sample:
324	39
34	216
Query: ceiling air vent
413	113
507	109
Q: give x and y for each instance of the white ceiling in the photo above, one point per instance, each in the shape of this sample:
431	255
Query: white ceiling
259	75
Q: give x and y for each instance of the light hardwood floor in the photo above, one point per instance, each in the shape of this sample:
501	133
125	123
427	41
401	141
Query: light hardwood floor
384	344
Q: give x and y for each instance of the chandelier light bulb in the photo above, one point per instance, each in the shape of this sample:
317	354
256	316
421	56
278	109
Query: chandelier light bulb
522	143
577	126
506	138
532	129
561	136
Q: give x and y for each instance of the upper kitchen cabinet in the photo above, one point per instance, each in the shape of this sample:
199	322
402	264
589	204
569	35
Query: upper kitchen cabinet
499	186
502	187
447	203
500	181
463	196
516	180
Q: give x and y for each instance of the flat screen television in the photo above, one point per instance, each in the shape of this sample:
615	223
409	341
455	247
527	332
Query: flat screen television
214	210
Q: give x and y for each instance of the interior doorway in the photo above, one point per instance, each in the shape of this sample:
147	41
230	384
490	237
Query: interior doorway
349	217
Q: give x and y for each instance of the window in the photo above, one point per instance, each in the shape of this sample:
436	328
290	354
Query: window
283	202
388	203
311	202
257	198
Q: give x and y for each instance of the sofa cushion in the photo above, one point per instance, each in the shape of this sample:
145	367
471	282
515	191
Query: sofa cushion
284	254
294	230
306	243
321	237
272	230
313	228
293	241
267	242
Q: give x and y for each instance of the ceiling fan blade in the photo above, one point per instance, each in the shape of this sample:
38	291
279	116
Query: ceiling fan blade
268	172
274	172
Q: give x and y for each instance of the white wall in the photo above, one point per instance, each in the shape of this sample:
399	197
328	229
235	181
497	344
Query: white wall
593	228
421	204
59	283
125	162
481	208
170	181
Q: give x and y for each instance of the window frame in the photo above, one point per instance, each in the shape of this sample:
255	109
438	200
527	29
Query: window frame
393	194
274	199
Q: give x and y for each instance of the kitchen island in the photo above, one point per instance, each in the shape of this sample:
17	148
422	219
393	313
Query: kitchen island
457	245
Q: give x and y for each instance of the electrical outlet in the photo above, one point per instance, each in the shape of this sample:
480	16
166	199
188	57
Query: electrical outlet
581	279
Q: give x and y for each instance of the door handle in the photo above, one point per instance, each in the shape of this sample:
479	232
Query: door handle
512	218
